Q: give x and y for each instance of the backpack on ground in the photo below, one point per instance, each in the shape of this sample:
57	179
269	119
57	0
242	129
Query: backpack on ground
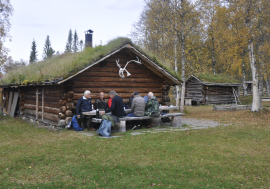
75	124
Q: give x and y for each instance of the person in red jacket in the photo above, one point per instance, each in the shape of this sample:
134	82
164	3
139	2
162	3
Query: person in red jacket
110	102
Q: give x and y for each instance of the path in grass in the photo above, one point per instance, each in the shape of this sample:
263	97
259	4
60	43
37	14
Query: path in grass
188	124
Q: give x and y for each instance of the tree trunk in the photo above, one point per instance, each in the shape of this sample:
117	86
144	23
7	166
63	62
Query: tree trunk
256	101
183	72
244	81
175	61
213	57
267	81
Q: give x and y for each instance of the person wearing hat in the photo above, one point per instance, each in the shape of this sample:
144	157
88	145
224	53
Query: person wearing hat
137	108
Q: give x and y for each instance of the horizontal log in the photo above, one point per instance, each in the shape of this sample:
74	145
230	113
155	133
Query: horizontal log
112	74
49	116
116	84
46	98
118	90
22	108
31	102
117	79
21	103
106	95
46	109
45	120
116	70
111	63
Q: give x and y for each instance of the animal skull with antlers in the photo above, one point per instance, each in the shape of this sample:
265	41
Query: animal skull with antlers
121	70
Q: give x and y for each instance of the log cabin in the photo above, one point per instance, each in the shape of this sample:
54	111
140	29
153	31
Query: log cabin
124	68
212	89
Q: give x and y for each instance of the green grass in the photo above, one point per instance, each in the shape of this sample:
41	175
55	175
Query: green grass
246	100
68	64
236	156
217	78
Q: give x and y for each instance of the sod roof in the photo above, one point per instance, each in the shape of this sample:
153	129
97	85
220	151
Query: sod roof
217	79
62	67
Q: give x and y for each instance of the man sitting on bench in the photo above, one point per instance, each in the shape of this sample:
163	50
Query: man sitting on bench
137	109
151	108
117	107
84	104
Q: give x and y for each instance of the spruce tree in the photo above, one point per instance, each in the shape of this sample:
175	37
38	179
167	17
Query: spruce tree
33	54
48	50
75	42
81	44
69	42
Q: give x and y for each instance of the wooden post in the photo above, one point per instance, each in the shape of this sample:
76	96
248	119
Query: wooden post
10	98
1	100
42	103
37	104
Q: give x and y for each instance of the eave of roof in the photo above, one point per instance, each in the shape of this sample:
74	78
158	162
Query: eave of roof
215	84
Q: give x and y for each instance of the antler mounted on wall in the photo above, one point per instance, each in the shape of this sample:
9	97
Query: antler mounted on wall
121	70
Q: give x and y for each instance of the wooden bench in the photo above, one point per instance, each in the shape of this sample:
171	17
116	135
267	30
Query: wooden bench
265	99
121	127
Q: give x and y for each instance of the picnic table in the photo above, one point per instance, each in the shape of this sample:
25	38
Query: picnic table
93	112
176	118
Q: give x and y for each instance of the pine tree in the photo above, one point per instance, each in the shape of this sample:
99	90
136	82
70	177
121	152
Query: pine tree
81	44
33	54
48	50
69	42
75	42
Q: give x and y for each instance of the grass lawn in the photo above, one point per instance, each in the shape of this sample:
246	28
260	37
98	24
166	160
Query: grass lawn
235	156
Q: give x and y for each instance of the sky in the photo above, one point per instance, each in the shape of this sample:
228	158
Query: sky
35	19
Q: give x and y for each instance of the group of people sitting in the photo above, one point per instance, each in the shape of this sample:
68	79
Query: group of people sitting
140	106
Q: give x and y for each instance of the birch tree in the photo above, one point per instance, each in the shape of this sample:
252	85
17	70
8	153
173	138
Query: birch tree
178	18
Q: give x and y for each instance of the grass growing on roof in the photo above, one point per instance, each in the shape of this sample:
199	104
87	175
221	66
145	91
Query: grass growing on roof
68	64
218	78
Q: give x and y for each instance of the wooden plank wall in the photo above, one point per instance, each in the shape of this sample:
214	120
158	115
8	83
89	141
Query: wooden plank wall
51	102
209	94
105	77
194	90
219	94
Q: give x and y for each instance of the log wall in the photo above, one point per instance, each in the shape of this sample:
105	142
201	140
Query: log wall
104	77
209	94
219	94
194	90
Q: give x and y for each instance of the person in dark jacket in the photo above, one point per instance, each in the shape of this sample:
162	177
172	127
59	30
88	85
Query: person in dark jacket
84	104
101	103
117	107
